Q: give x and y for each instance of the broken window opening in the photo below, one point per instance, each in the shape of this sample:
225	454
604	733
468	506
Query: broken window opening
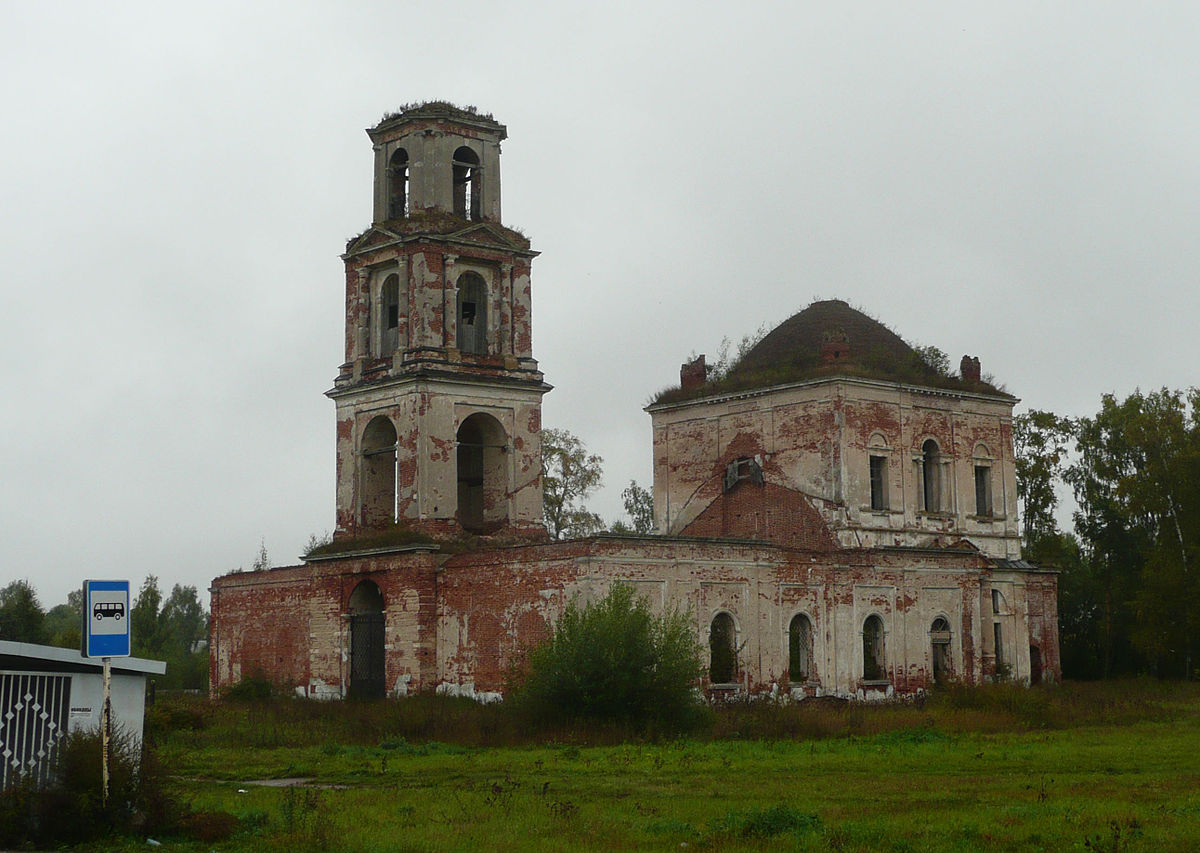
722	648
467	184
939	637
931	459
998	642
472	313
874	667
389	334
983	490
800	649
378	473
879	499
743	469
997	602
398	185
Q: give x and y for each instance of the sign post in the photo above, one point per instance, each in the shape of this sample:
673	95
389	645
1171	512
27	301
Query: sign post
106	636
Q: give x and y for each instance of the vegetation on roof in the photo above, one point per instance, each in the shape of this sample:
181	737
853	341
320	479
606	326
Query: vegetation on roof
395	536
436	222
792	352
433	108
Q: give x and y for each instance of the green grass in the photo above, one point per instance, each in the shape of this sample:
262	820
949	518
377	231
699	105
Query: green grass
1112	766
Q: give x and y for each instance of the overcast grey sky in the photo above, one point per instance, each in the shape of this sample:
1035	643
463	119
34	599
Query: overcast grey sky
1018	181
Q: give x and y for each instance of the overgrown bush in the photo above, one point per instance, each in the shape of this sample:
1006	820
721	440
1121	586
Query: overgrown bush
72	809
616	662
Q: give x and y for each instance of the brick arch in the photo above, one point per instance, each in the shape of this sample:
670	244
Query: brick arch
768	511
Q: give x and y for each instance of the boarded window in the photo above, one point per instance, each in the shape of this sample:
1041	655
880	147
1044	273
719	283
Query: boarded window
800	649
874	664
879	482
472	313
983	490
722	640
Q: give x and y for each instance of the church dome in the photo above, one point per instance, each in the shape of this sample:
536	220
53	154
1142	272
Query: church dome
830	334
827	339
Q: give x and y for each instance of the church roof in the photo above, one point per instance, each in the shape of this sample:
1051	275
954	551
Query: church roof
827	339
438	111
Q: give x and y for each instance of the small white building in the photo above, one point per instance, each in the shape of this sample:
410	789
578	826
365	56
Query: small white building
46	691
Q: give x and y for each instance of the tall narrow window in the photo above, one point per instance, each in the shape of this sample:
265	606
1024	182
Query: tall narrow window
874	665
939	637
472	314
389	332
879	499
398	185
722	649
983	491
467	184
931	460
998	641
799	649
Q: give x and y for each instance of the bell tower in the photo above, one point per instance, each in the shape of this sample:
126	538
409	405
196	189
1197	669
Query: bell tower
439	398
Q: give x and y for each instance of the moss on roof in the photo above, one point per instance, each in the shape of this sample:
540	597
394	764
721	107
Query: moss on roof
791	352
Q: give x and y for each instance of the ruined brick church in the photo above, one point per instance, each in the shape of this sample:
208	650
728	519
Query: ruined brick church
838	517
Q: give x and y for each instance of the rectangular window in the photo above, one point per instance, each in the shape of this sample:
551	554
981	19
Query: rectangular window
998	638
983	490
879	482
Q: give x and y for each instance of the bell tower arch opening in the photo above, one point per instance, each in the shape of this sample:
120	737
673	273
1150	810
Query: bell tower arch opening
398	184
378	482
467	184
472	314
482	473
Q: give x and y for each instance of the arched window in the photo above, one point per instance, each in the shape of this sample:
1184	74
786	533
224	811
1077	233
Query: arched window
800	649
367	676
389	321
983	481
378	473
939	637
931	475
874	663
472	313
722	650
466	184
398	184
482	473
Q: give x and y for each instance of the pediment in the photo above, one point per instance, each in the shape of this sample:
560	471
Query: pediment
374	236
484	233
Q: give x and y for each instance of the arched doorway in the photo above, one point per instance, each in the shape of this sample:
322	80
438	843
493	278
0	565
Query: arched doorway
367	676
482	473
939	638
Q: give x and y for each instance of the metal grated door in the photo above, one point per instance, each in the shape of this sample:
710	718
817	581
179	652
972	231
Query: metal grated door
366	656
33	718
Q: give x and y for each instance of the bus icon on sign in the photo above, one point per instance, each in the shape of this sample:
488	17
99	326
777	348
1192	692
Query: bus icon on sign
108	609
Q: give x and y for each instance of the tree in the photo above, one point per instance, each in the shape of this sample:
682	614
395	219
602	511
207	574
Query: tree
1137	483
639	507
144	631
64	621
569	475
933	358
21	616
615	661
1040	442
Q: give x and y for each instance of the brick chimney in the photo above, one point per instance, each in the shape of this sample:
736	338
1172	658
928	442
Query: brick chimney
969	368
693	374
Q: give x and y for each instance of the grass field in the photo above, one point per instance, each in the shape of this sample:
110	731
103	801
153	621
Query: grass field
1109	767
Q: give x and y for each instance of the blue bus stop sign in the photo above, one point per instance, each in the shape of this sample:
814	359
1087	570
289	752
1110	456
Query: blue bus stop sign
106	619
